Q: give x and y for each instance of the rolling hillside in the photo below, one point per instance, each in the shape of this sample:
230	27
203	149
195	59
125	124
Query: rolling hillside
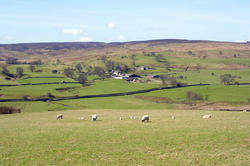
188	62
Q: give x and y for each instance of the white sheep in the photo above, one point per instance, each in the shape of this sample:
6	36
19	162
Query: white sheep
120	118
207	116
145	118
244	110
94	117
81	118
59	116
173	117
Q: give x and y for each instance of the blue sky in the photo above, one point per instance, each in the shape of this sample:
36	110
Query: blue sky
123	20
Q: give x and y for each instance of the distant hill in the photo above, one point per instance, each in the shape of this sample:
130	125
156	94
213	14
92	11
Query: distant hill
86	45
72	51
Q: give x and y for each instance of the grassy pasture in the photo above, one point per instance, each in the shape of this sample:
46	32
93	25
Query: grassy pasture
40	139
215	93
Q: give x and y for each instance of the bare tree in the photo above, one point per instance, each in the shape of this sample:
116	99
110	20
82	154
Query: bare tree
99	71
227	79
79	67
19	72
12	60
133	58
68	72
83	78
110	65
32	68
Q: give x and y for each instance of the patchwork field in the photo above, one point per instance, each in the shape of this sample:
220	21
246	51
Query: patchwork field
39	139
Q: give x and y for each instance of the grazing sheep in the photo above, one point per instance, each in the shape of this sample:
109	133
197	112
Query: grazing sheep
59	116
120	118
131	117
173	117
207	116
94	117
145	118
134	117
81	118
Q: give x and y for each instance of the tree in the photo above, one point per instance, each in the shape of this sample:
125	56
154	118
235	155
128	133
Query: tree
153	53
164	79
173	81
37	62
227	79
133	58
160	58
198	67
58	62
83	79
99	71
122	67
5	71
79	67
68	72
12	60
19	72
88	68
190	52
32	68
193	96
104	59
167	66
54	71
110	65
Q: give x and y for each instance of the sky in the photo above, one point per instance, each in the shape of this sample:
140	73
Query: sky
26	21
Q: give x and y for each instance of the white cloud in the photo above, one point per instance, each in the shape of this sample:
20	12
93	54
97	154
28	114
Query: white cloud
72	31
239	41
121	37
85	39
111	25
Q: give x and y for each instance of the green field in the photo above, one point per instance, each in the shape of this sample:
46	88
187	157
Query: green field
40	139
35	137
210	72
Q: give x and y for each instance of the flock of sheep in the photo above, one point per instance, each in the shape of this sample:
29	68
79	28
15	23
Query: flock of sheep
145	118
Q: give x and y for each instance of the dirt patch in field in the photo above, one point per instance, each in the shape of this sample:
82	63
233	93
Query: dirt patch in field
236	67
216	106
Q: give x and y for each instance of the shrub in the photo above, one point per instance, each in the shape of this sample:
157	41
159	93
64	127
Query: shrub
83	79
19	72
193	96
12	60
32	68
51	96
9	110
69	73
227	79
236	83
26	97
6	72
54	71
37	62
